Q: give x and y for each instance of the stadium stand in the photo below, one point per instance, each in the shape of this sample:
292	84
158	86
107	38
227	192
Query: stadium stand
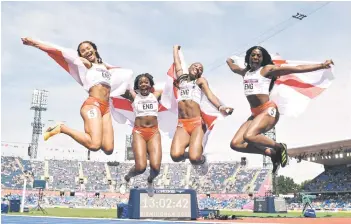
227	185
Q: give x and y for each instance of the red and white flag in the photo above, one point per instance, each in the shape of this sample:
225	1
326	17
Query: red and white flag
209	113
69	60
122	112
121	80
292	93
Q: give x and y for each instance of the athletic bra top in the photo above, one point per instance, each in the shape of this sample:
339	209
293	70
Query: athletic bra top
145	105
98	74
189	91
255	83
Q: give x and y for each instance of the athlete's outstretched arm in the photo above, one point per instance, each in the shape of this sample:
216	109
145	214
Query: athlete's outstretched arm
212	98
235	68
273	70
177	62
30	42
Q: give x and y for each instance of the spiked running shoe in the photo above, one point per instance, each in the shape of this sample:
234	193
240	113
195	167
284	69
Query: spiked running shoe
284	155
53	130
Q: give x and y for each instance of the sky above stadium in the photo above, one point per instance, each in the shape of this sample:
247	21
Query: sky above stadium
140	35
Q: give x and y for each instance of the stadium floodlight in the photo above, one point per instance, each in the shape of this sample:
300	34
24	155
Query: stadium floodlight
39	104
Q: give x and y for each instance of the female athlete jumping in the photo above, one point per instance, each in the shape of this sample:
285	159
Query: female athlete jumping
259	76
190	129
146	135
95	110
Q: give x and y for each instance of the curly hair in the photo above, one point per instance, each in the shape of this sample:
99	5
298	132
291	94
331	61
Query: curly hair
148	76
99	59
266	60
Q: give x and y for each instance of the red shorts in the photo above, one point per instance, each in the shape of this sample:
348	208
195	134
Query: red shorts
146	133
189	124
102	105
257	110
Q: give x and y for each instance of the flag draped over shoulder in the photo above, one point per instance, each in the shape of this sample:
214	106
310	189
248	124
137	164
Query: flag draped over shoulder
209	113
69	60
122	112
121	80
292	93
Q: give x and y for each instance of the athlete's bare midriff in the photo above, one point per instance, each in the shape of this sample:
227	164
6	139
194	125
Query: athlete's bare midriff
188	109
257	100
101	92
146	121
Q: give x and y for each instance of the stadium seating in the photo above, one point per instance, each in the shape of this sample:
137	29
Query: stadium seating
227	183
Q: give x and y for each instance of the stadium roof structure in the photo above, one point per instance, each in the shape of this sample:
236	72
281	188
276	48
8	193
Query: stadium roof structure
329	154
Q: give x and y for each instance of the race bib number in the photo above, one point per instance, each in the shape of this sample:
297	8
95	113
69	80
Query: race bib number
104	73
92	113
251	86
272	111
185	93
146	107
248	86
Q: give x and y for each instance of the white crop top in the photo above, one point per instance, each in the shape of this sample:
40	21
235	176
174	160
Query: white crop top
145	105
189	91
98	74
255	83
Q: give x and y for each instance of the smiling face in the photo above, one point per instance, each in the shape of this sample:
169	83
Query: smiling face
144	86
255	59
87	51
196	70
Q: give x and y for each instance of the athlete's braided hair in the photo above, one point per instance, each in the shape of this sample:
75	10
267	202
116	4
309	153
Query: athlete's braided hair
180	79
147	75
99	59
266	60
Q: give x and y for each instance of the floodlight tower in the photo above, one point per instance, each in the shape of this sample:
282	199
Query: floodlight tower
39	104
267	163
128	142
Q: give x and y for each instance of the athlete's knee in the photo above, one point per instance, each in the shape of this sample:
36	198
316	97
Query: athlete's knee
140	168
155	166
176	156
107	151
235	144
94	146
195	158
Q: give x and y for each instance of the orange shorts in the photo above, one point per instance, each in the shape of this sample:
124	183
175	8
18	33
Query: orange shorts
189	124
146	133
102	105
257	110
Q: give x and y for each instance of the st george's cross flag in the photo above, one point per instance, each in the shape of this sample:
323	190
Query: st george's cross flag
121	80
292	93
122	112
69	60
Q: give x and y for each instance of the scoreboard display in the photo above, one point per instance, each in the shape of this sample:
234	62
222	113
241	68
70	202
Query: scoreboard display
270	205
260	204
180	204
280	205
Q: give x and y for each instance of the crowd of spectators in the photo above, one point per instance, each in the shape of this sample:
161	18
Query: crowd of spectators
228	182
92	176
333	179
